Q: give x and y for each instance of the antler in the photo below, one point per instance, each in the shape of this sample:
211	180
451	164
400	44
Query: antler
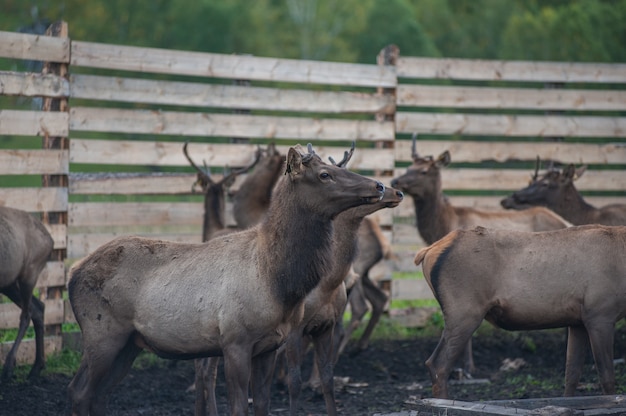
309	156
347	155
203	176
536	175
414	154
232	174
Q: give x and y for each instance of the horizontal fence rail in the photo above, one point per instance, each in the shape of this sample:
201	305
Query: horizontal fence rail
132	109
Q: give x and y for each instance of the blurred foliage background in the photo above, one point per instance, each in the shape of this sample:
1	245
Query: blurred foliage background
343	30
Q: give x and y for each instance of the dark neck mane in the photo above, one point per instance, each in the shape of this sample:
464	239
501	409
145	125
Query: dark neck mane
297	246
574	208
431	216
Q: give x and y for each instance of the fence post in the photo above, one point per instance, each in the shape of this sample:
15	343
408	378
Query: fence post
57	29
387	56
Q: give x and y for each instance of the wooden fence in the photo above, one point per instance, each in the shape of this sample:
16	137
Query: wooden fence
114	118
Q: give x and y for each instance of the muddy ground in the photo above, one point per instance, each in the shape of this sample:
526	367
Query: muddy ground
379	380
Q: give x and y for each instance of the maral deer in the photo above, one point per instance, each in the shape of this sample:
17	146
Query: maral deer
237	296
575	278
555	189
25	246
436	216
324	305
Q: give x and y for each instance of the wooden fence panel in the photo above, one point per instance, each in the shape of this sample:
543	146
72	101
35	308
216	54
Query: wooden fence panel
34	47
192	94
130	58
33	84
35	199
486	70
34	162
503	151
226	125
33	123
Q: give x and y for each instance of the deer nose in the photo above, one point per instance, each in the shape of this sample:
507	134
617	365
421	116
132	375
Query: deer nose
394	183
399	194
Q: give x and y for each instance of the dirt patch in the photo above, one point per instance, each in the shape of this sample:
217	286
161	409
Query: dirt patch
378	380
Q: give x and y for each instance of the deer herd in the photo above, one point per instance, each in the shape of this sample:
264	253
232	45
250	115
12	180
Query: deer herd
258	294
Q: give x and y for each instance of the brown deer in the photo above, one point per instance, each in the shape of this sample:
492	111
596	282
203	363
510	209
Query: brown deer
236	296
575	278
555	189
324	306
213	224
436	216
25	246
252	199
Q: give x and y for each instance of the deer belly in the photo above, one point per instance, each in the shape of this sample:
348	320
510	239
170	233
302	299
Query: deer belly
514	319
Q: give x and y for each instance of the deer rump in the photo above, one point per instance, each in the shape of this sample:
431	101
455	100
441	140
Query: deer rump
575	277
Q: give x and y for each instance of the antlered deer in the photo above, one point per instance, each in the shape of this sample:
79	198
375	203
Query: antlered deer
237	296
436	216
555	189
575	278
324	306
25	246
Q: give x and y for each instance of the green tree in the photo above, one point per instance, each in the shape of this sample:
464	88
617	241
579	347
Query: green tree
393	22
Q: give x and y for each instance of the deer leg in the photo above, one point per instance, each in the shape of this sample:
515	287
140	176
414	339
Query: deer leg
468	359
205	381
261	382
577	341
293	355
456	333
107	357
325	360
21	296
601	336
358	309
237	368
378	300
37	316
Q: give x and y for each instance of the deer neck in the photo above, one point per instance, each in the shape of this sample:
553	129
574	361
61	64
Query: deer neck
433	217
344	249
297	247
213	220
574	208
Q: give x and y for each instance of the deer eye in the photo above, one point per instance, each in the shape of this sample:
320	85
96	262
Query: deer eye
324	175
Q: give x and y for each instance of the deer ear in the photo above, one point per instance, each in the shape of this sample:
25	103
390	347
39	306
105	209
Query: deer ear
294	162
443	159
579	172
569	173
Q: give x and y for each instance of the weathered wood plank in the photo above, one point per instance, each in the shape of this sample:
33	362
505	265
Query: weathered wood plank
35	199
475	151
58	233
140	184
126	152
130	58
226	125
10	313
513	179
511	125
26	352
510	98
29	84
226	96
487	70
578	402
34	47
135	214
33	123
34	162
53	275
